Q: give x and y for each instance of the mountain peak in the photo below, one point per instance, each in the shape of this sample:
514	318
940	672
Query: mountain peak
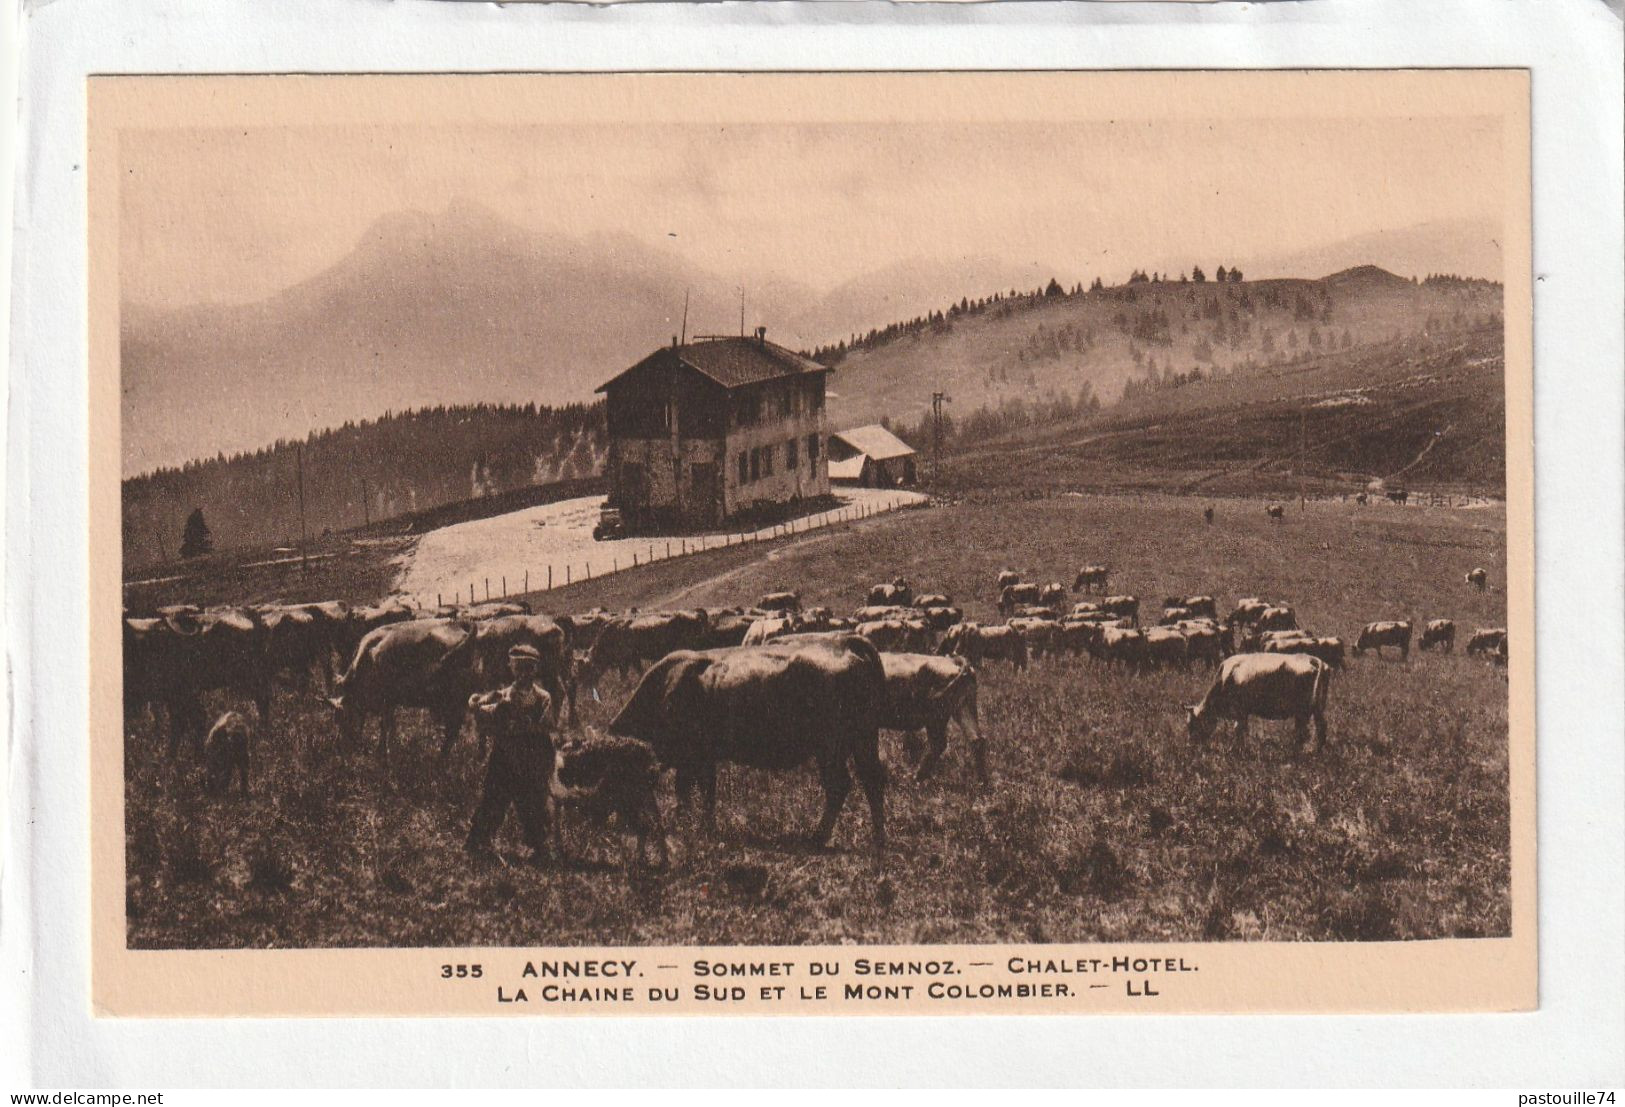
1366	275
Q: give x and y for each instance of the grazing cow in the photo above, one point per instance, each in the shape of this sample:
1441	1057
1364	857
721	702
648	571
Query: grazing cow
1176	614
1113	646
429	663
1487	640
364	620
1277	617
926	692
1399	496
295	643
1361	499
941	618
1276	512
932	599
1123	607
897	635
583	627
1375	636
629	642
1034	611
775	707
1207	515
492	609
1479	579
174	660
780	601
600	775
1329	650
1439	634
724	627
1091	578
1007	577
898	592
977	643
1202	607
494	637
1084	609
1166	647
1498	655
1014	594
1247	611
1042	635
1052	594
871	612
226	753
1204	642
1265	686
765	630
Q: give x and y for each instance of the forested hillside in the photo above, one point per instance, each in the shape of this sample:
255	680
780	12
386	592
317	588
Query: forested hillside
361	472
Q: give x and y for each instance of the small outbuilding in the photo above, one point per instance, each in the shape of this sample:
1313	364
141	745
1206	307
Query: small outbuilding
871	456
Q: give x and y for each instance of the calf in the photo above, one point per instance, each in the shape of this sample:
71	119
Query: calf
1389	633
1265	686
926	692
1487	640
1276	512
226	753
1438	634
1090	578
601	775
1478	578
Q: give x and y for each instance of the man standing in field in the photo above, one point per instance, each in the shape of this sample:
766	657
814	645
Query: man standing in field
518	719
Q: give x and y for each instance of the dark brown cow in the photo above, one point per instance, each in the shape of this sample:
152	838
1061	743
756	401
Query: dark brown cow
1395	633
773	707
977	643
600	775
1014	594
628	642
780	601
1479	579
1123	607
1007	577
1438	634
1091	578
226	753
1052	594
926	692
429	663
174	661
1276	512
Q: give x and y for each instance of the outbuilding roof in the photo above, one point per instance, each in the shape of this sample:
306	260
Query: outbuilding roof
732	362
875	441
850	469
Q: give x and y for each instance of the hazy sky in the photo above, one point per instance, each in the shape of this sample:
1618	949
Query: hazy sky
232	215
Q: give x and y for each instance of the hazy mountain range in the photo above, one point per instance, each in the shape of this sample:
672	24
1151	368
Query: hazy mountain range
462	306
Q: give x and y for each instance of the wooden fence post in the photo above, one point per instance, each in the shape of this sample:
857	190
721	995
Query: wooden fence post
504	587
550	578
527	580
566	572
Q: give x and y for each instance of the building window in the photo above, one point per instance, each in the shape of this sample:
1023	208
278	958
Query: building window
785	402
744	467
818	396
767	461
812	449
755	464
790	458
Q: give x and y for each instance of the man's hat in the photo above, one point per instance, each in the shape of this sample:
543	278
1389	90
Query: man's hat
524	653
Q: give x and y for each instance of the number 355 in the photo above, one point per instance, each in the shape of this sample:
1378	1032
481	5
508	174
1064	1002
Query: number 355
447	972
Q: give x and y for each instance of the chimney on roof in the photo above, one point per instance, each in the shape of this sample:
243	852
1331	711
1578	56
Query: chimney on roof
761	335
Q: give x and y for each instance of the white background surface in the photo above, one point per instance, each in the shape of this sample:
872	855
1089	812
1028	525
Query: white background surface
1574	1041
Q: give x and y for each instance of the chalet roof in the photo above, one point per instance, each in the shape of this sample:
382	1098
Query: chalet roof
850	469
733	362
875	441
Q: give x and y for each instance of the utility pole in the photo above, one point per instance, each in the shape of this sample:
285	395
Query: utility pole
684	341
366	505
937	400
741	313
1302	498
299	463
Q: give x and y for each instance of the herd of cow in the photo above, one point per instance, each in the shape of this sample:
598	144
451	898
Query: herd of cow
772	686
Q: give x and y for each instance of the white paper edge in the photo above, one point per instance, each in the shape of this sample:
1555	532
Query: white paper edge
1575	1040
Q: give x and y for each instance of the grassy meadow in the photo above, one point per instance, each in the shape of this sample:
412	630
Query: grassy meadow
1103	822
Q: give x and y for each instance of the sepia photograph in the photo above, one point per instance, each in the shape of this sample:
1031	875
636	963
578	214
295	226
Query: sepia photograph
984	517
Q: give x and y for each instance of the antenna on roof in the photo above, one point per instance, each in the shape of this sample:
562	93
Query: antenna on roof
685	317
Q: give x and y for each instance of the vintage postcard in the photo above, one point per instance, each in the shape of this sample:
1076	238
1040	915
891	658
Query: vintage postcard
837	544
